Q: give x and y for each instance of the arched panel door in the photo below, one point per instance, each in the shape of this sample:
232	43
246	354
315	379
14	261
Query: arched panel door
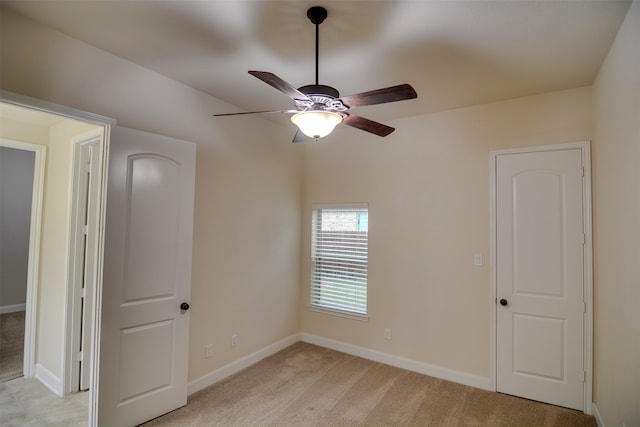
147	277
540	282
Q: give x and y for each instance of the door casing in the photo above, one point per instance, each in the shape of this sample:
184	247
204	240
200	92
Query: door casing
40	154
84	201
584	146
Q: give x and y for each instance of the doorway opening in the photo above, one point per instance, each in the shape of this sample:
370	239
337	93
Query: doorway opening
60	137
22	173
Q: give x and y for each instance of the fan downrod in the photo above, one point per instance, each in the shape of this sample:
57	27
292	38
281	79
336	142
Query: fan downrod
317	14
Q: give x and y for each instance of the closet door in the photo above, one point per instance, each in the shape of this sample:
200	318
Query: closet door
540	276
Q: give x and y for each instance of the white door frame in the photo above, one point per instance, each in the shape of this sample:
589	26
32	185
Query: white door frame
106	122
33	263
77	261
587	258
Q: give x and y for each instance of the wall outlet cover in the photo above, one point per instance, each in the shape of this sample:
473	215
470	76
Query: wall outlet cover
208	351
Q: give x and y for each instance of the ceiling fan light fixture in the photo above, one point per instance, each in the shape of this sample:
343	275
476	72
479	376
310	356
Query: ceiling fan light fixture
319	108
316	123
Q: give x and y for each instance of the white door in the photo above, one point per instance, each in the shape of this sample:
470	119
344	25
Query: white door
540	300
146	278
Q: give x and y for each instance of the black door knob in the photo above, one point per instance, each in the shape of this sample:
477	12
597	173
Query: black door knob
184	306
504	302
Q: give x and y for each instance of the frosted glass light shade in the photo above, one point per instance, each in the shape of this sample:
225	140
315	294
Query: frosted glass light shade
316	124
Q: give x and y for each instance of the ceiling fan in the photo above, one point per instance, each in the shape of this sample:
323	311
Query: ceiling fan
320	108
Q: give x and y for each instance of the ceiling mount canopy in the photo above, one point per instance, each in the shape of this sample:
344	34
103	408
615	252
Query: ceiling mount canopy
319	108
317	14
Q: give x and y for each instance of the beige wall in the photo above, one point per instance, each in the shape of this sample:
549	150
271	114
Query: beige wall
245	277
18	131
616	203
427	186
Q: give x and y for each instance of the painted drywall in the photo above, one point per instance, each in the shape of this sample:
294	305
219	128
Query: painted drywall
245	277
616	223
18	131
16	189
427	186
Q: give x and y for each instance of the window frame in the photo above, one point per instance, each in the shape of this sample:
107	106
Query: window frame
313	287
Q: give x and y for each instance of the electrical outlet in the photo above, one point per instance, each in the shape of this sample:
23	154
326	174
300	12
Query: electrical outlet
208	351
234	340
387	334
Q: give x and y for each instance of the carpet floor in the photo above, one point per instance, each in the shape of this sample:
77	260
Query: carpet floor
306	385
11	345
26	402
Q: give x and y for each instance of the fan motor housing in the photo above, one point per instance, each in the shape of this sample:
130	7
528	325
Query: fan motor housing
320	90
322	98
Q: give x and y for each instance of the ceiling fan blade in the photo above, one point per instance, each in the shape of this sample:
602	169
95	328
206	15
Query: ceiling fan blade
256	112
380	96
367	125
299	136
284	87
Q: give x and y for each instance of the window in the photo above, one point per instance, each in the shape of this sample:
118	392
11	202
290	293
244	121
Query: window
339	256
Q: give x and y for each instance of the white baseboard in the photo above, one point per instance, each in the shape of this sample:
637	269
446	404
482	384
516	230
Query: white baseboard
376	356
596	414
49	379
400	362
240	364
12	308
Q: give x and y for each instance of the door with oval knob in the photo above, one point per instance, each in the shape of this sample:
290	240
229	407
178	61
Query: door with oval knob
541	206
139	316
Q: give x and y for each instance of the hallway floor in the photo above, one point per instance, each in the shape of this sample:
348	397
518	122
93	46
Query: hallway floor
11	345
28	403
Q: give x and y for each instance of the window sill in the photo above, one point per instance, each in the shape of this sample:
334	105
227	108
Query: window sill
339	313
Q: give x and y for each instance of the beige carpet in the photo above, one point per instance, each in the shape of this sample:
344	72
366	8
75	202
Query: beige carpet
11	345
306	385
26	402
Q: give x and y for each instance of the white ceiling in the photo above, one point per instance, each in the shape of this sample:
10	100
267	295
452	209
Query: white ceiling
454	53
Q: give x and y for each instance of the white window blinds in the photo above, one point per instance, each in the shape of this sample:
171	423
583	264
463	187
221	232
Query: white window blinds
339	252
